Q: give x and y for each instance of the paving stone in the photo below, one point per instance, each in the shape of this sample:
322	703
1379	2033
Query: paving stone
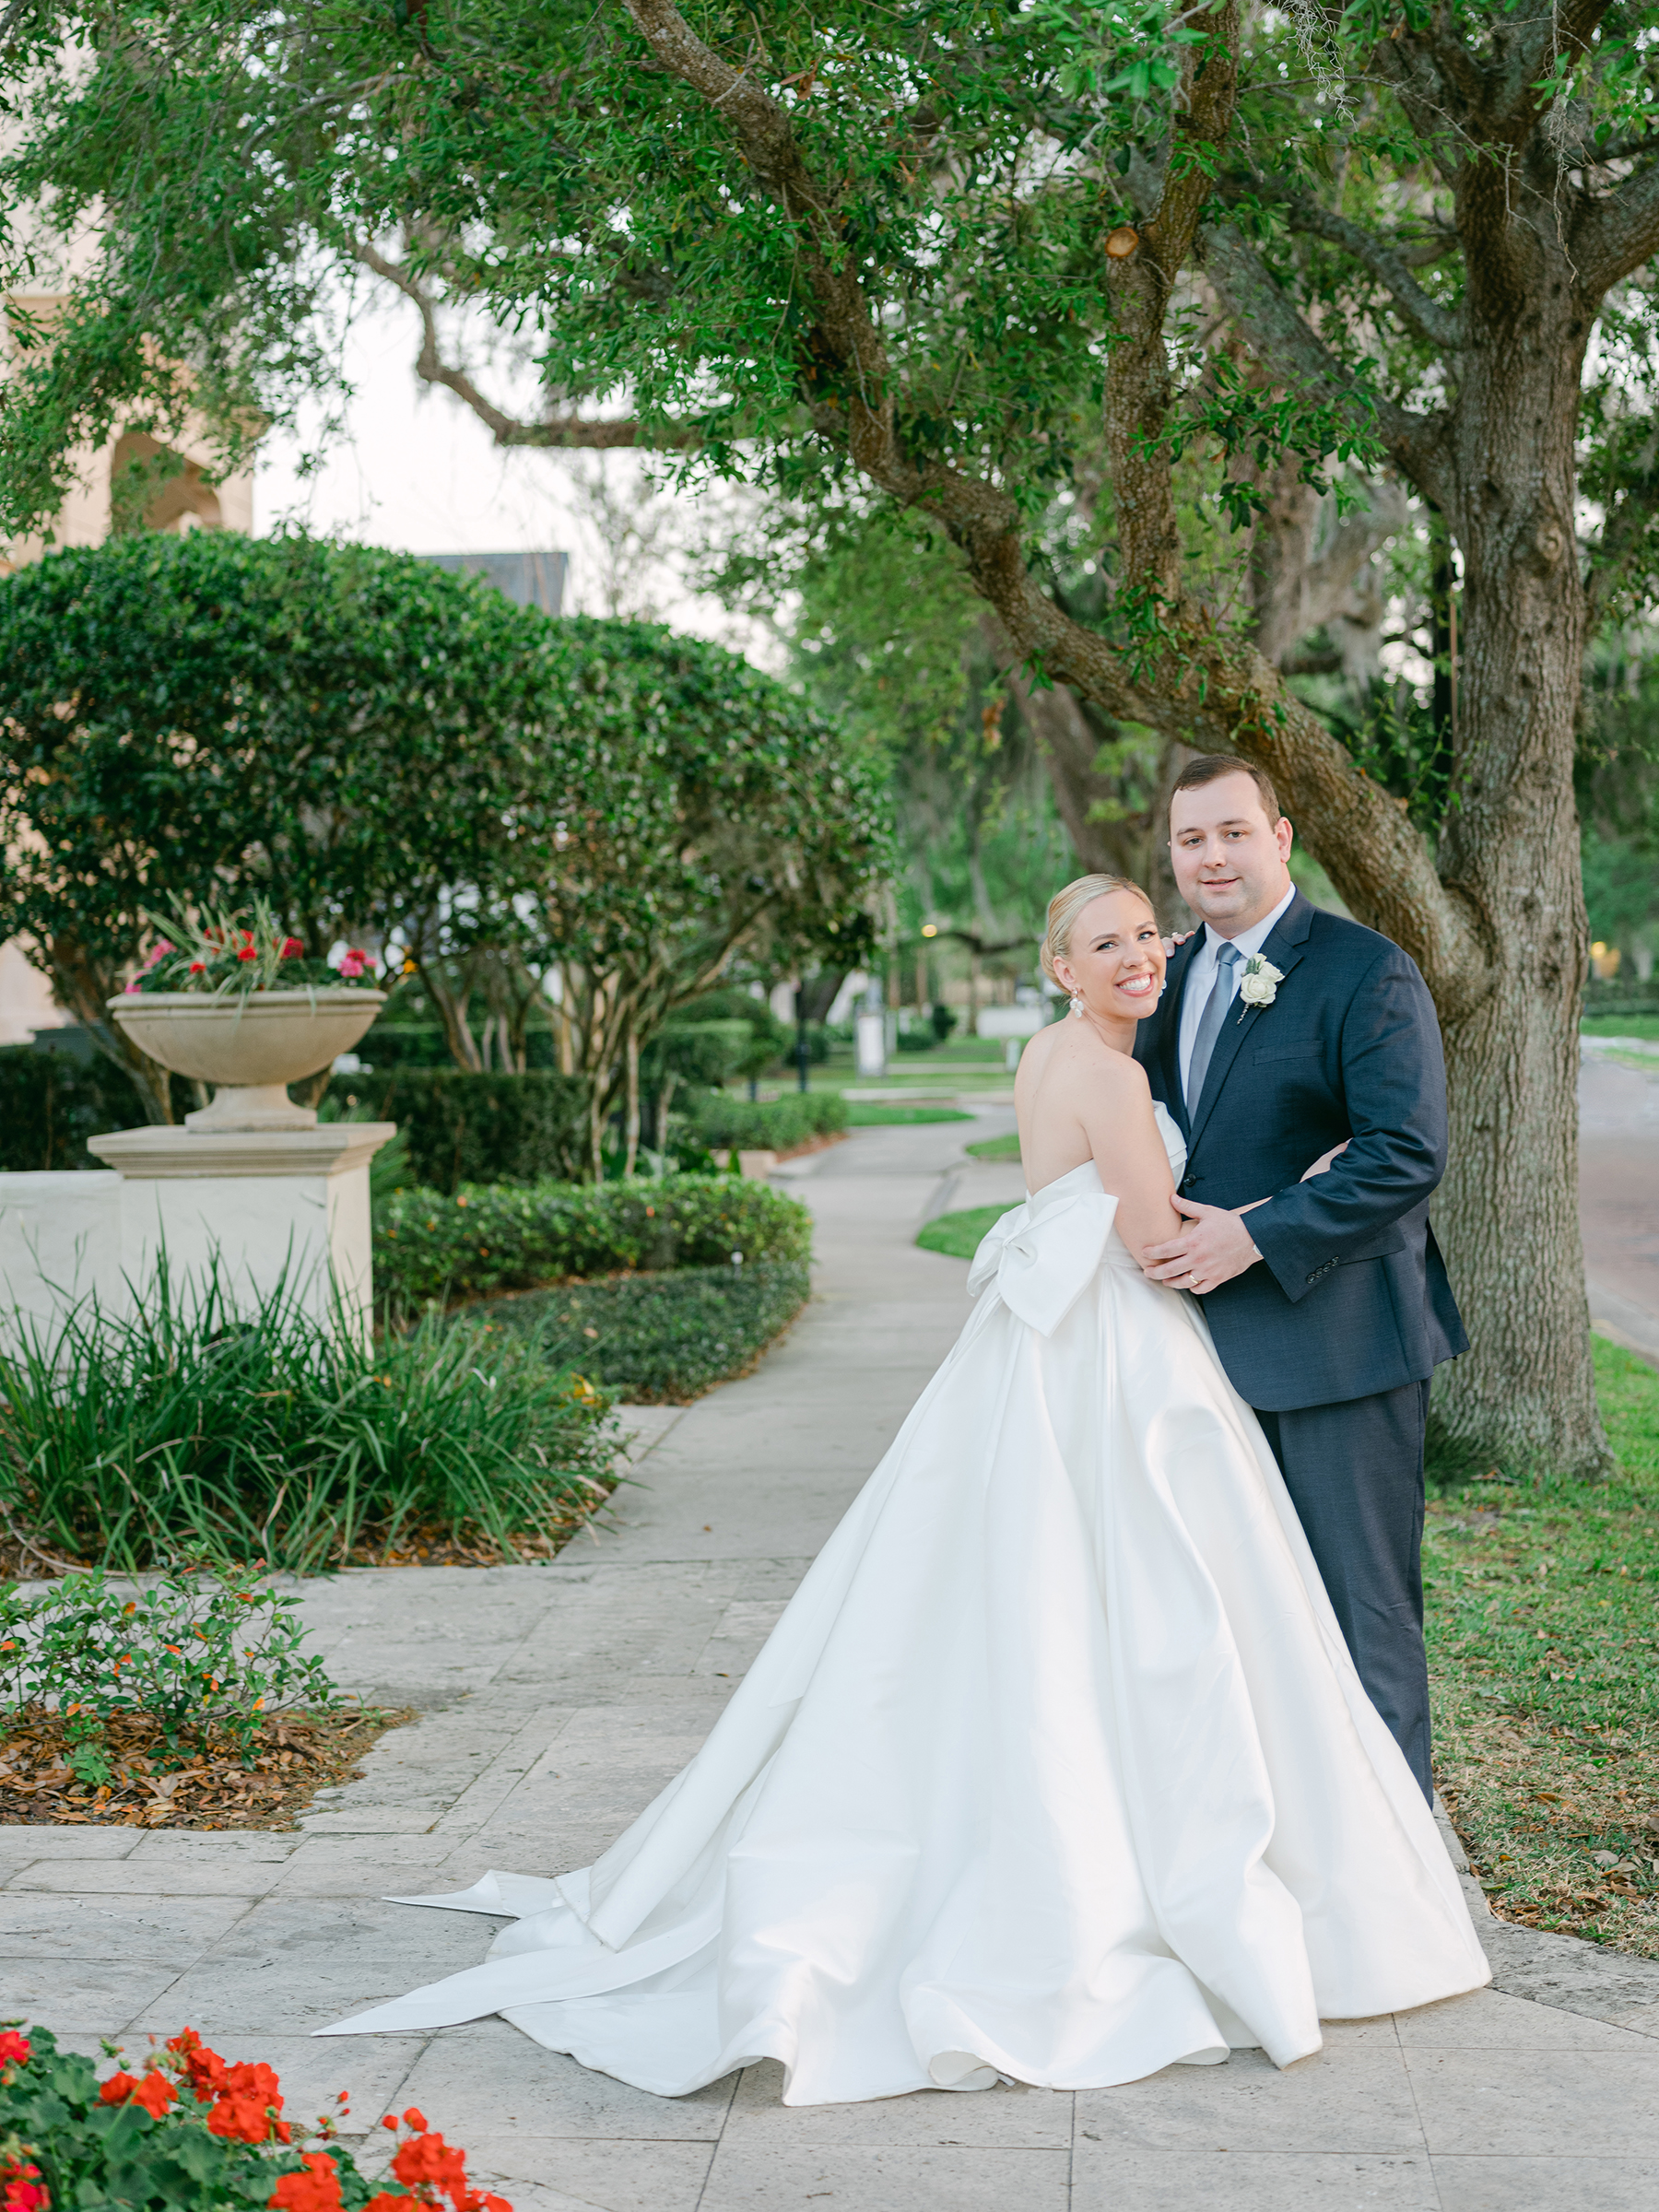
96	1996
1538	2103
161	1876
1192	2181
1561	2184
542	2174
1011	2118
499	2083
156	1930
1490	2019
846	2178
1345	2098
42	1839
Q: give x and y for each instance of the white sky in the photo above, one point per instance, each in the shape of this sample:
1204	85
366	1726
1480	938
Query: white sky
417	472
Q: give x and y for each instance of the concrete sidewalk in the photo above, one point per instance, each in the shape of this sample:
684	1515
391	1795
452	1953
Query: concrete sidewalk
559	1698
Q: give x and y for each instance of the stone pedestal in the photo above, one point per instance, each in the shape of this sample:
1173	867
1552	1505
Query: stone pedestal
279	1206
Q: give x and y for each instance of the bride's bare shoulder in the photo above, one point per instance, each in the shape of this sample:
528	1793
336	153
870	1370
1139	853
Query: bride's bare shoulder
1072	1052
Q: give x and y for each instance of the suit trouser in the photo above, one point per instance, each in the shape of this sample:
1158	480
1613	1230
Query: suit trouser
1355	1475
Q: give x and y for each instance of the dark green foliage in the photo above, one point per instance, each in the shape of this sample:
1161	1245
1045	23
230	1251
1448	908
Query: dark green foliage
775	1126
50	1102
461	1128
321	725
489	1239
656	1338
195	1431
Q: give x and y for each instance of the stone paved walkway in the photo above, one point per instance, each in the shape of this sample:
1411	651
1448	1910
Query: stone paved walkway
557	1699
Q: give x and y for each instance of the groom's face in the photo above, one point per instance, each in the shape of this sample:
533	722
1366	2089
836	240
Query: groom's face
1229	860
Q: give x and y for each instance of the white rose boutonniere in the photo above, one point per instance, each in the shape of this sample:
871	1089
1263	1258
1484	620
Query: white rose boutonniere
1258	986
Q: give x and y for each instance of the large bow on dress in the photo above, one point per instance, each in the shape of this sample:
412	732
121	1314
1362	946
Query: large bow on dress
1043	1255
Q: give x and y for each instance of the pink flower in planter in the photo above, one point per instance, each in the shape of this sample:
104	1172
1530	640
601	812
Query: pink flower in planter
353	963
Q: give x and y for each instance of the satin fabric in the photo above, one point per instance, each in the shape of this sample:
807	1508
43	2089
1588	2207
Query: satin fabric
1056	1768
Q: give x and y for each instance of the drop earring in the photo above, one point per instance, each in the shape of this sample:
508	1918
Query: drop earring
1077	1004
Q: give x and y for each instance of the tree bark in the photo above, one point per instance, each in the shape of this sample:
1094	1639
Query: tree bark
1508	1209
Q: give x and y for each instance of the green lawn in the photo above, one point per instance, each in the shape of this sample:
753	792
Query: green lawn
958	1235
1543	1603
862	1113
998	1148
1621	1025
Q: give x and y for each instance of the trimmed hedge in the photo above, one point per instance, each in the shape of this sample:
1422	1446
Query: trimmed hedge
492	1237
461	1128
661	1339
775	1126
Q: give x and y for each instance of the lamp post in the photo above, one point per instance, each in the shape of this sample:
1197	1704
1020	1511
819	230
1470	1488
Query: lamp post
803	1051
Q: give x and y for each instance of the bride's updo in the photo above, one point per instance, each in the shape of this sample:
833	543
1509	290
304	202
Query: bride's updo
1067	904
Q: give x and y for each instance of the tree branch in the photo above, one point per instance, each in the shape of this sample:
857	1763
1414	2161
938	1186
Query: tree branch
507	429
1442	327
1270	325
1617	232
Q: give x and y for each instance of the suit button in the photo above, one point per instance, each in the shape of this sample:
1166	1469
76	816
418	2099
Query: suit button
1315	1276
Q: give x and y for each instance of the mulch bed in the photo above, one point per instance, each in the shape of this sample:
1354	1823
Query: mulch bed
297	1755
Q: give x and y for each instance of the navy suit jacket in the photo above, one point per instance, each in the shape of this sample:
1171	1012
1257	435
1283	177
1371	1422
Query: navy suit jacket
1353	1297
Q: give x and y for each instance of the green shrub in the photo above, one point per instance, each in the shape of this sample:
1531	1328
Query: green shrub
191	1428
655	1338
52	1102
776	1126
461	1128
493	1237
203	1655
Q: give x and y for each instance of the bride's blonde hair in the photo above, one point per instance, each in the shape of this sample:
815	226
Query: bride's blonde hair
1066	905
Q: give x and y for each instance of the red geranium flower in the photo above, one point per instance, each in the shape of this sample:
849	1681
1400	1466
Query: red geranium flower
246	952
154	2092
21	2189
250	2099
13	2047
204	2070
291	948
315	2190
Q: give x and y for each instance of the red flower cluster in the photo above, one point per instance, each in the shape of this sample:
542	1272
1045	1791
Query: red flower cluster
352	964
315	2190
291	949
152	2090
21	2189
246	2099
13	2047
429	2169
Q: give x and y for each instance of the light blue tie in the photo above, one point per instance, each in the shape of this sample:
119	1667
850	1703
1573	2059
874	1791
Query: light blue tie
1209	1025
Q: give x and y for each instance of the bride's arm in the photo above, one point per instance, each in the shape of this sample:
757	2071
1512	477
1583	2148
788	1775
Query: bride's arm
1115	1108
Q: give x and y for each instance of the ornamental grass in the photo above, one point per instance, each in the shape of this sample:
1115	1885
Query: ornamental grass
196	1428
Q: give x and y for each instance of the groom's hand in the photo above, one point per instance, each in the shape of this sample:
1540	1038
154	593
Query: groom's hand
1214	1248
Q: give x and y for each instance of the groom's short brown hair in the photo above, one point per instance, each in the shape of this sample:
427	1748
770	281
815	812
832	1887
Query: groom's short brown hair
1210	767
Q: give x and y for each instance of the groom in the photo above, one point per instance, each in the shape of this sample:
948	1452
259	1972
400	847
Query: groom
1283	1032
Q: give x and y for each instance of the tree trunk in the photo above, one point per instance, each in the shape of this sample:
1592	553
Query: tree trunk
1508	1210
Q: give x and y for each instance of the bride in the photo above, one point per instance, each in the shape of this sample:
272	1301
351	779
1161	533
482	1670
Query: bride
1056	1767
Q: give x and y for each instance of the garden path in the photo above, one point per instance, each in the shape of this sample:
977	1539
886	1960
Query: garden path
559	1698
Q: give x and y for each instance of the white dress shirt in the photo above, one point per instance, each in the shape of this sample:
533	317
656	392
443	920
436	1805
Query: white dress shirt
1201	977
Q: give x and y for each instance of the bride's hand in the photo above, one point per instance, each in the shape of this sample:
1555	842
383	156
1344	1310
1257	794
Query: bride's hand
1325	1159
1180	936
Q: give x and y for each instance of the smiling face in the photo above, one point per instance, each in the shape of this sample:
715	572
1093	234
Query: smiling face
1229	860
1115	958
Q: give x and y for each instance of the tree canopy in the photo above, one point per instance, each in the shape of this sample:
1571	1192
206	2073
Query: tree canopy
382	749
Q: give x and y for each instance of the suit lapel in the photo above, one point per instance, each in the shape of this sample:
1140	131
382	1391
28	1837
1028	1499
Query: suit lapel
1169	1049
1285	942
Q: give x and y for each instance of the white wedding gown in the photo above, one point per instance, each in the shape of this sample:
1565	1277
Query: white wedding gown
1056	1767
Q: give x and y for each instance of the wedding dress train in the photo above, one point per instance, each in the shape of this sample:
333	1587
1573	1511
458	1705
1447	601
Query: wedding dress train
1056	1768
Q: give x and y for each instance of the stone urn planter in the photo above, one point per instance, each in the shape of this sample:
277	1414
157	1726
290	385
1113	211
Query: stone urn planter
250	1045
